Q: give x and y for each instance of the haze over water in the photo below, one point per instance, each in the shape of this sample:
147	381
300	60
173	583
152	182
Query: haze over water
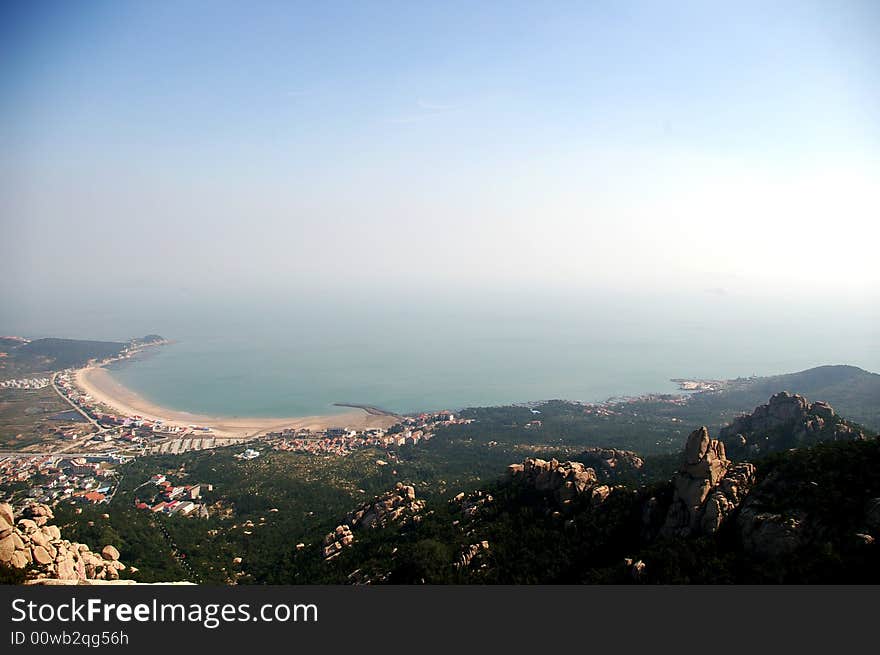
297	358
428	205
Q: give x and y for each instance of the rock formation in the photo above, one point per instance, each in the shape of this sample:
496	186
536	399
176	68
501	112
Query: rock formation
469	553
335	541
769	534
396	506
472	503
706	488
790	510
607	461
564	480
636	569
786	421
392	506
731	491
32	543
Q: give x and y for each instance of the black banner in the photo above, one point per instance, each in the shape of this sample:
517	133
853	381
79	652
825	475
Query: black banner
159	618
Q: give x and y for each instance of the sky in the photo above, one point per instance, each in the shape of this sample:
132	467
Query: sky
156	150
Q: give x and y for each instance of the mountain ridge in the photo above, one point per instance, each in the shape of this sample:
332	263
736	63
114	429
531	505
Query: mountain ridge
715	520
853	391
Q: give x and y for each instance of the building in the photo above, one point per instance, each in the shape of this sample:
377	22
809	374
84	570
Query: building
95	497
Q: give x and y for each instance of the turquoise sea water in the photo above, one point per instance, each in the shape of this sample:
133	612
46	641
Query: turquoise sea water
291	362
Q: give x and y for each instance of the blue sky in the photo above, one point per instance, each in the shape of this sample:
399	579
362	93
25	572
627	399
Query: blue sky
203	74
646	144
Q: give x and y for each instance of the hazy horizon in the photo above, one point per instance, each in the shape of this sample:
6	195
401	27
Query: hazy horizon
407	165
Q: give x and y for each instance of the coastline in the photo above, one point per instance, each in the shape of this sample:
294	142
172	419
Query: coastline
98	383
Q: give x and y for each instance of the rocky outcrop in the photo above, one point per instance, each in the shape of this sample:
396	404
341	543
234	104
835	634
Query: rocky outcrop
472	503
709	486
786	421
610	461
729	494
474	551
769	534
110	553
706	488
397	506
335	541
565	481
636	569
32	543
393	506
54	582
798	510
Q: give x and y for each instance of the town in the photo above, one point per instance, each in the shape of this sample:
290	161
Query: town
26	383
50	479
88	440
410	431
133	435
167	498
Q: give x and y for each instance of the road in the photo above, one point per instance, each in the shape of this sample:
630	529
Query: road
115	489
75	406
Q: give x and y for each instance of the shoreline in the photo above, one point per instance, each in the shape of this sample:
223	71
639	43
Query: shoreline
104	389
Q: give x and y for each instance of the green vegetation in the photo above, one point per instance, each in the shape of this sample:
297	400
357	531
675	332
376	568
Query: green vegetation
274	511
56	354
648	426
311	495
134	533
853	392
829	486
658	424
42	356
10	576
530	542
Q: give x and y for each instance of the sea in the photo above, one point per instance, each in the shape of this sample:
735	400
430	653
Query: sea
290	357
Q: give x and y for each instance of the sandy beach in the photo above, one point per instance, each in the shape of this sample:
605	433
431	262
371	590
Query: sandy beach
104	389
